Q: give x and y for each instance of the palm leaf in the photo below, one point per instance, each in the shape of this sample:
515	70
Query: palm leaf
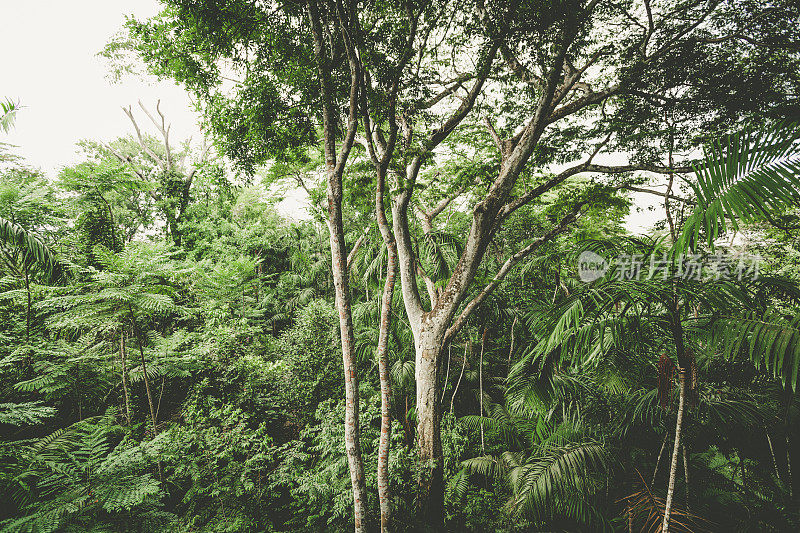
8	113
743	177
15	236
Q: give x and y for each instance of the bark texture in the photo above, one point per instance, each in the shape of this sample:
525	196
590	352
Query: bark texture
673	471
384	487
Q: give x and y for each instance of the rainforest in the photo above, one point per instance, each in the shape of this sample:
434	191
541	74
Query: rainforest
449	265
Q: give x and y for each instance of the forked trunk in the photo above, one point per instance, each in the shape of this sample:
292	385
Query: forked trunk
675	451
658	459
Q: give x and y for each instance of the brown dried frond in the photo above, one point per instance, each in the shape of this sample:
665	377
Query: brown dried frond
646	510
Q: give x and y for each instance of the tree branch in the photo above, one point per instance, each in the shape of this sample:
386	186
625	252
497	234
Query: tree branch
512	261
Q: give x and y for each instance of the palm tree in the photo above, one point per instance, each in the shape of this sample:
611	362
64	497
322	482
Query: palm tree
24	254
745	177
550	460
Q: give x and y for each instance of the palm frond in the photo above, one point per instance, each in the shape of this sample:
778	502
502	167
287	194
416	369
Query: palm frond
743	178
15	236
8	113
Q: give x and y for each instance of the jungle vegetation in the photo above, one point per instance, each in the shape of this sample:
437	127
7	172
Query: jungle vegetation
422	350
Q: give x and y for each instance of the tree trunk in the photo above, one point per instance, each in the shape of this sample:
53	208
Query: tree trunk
787	429
480	390
28	306
153	415
447	371
342	291
772	454
511	348
461	375
430	495
384	486
686	476
675	450
658	459
124	358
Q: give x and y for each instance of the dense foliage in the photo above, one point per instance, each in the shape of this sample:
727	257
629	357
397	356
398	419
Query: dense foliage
170	350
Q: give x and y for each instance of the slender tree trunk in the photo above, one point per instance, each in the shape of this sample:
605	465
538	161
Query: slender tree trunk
480	390
384	486
153	415
787	429
28	306
511	348
461	375
675	451
335	161
160	396
342	292
772	454
123	356
686	476
658	459
78	393
447	371
789	464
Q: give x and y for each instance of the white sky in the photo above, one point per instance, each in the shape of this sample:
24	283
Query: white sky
49	64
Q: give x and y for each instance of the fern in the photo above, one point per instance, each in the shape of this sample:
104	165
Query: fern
21	414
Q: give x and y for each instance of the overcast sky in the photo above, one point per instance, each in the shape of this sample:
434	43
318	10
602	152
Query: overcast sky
50	66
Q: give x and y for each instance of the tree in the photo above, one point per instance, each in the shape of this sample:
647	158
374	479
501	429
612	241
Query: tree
164	170
134	286
550	80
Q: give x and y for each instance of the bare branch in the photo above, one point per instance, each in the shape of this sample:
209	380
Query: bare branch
357	245
432	101
159	161
657	193
163	128
126	159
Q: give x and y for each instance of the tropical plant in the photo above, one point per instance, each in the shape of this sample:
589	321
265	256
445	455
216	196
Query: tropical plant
749	176
8	113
